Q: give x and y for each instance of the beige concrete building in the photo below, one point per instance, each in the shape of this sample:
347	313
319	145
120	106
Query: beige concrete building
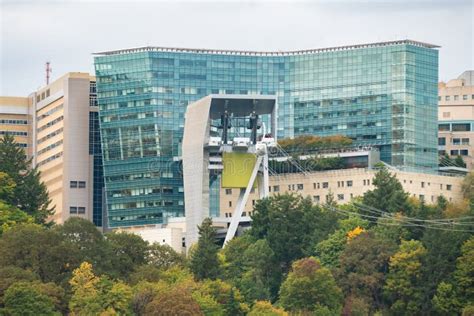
456	117
346	184
16	120
61	122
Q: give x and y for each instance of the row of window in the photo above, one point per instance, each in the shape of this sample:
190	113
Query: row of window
49	124
142	204
14	133
77	184
139	176
77	210
454	141
456	97
14	122
56	156
49	147
455	127
48	113
143	191
52	134
459	152
42	96
228	215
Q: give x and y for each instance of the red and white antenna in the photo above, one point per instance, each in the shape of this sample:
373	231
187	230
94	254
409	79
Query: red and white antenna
48	71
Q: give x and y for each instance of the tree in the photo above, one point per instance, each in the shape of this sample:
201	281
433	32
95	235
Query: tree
288	223
87	243
164	257
309	287
30	194
7	187
329	250
11	216
262	274
402	286
10	275
464	274
24	298
177	301
95	295
204	262
443	248
40	250
363	266
128	252
388	195
224	294
468	187
265	308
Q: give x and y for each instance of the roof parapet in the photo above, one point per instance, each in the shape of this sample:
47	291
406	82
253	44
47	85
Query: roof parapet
261	53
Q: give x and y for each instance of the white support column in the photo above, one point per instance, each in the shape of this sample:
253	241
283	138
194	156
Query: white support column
234	223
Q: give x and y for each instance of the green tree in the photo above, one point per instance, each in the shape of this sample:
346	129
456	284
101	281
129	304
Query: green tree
464	274
30	194
262	277
445	300
459	162
388	195
288	223
309	287
265	308
164	257
11	216
7	187
363	266
10	275
129	251
204	262
87	243
24	298
402	286
40	250
329	250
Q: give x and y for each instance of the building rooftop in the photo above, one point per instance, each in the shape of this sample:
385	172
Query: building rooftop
261	53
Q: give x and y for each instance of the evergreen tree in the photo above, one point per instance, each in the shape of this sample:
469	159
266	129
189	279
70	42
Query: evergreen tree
29	194
388	195
204	261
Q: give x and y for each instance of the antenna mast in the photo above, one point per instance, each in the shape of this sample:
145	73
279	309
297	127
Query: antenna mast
48	71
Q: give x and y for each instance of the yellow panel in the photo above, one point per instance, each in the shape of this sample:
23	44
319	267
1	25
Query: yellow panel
237	169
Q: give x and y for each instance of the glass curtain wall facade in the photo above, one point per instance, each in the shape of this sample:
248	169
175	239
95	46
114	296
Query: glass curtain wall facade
382	94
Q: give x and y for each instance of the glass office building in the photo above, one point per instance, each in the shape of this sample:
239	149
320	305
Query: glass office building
381	94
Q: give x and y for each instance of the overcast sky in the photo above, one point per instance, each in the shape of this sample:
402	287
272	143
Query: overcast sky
68	32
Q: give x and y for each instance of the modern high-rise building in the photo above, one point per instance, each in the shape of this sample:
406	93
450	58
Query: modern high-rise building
456	118
380	94
59	128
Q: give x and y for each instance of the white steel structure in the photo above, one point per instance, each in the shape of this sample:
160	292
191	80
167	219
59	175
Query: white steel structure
209	136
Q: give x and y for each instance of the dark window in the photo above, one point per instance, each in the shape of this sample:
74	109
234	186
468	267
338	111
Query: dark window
72	210
461	127
73	184
82	184
463	152
442	141
443	127
228	191
276	188
448	187
454	152
349	183
300	186
325	185
81	210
